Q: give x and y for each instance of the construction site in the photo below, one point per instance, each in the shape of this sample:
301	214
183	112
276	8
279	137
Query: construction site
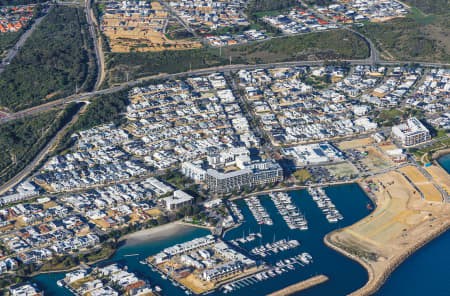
409	212
141	26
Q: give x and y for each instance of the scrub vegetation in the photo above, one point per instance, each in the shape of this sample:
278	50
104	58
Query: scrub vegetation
420	36
54	61
330	45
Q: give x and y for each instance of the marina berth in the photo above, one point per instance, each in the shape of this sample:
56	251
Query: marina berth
259	213
325	204
290	213
237	213
275	247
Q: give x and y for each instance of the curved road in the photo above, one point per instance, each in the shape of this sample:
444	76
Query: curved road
37	159
98	51
88	95
372	60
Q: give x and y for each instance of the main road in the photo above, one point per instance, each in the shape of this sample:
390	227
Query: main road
226	69
98	50
371	60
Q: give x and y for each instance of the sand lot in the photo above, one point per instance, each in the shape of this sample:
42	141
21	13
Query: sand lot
388	221
355	143
401	222
420	181
133	31
193	283
375	160
388	147
413	174
440	176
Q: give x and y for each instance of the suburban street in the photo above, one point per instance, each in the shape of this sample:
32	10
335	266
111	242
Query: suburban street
13	51
83	97
225	69
37	159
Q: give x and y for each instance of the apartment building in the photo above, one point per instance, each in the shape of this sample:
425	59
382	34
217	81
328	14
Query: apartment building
254	173
411	133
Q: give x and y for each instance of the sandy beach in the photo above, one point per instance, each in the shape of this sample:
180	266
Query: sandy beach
155	233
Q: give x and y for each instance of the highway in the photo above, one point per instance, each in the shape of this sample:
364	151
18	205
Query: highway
225	69
371	60
37	159
98	51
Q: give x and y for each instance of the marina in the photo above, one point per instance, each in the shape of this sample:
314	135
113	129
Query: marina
237	213
275	247
283	266
282	269
291	215
258	211
325	204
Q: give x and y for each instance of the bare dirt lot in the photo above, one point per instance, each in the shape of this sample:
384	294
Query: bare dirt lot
136	32
375	160
422	183
339	170
401	223
388	147
355	143
440	176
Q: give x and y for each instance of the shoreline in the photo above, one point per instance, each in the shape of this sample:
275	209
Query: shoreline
438	154
157	232
296	187
380	270
169	229
376	281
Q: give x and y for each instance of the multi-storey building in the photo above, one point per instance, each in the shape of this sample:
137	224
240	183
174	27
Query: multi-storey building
255	173
411	133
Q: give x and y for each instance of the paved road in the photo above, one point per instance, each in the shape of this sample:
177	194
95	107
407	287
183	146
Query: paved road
30	167
226	69
374	56
98	51
182	22
13	51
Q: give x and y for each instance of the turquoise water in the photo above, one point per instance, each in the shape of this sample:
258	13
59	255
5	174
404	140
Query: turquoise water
426	271
445	162
344	274
145	249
